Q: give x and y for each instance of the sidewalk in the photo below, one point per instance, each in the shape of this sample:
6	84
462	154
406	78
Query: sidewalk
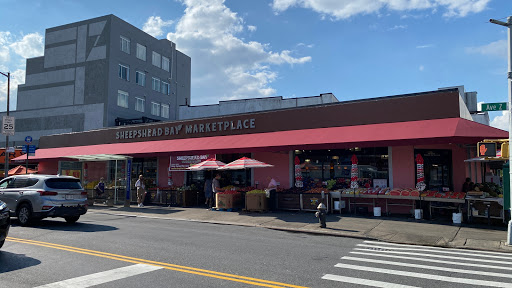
389	229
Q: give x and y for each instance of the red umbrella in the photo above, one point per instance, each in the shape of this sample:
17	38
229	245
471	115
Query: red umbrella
210	164
244	163
18	170
354	173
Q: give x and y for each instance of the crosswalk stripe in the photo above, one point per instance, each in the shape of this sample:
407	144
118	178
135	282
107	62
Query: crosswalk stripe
438	268
446	251
366	282
431	260
426	276
102	277
466	251
438	256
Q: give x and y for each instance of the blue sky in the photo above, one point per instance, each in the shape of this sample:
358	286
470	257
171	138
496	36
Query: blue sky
354	49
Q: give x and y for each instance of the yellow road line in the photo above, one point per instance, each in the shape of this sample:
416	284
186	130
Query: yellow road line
185	269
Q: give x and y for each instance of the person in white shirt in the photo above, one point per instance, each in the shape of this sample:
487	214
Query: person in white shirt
141	191
272	188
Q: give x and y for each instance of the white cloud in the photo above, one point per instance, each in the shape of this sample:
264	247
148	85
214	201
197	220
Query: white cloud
397	27
422	68
501	121
343	9
31	45
17	77
225	66
251	28
5	39
496	48
154	25
425	46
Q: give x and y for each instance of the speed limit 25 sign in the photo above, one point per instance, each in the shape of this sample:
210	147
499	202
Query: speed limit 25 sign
8	125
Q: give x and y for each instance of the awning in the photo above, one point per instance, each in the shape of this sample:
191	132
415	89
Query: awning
438	131
485	160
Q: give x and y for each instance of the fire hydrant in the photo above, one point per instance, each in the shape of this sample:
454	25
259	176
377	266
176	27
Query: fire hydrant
320	214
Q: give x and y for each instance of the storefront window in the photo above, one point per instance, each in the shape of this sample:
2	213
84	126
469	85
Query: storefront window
148	168
324	165
438	168
71	169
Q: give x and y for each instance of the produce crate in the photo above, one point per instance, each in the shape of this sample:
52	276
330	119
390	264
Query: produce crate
256	202
189	198
227	201
288	201
311	201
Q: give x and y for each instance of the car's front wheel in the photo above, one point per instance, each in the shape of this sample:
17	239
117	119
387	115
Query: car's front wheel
72	219
24	214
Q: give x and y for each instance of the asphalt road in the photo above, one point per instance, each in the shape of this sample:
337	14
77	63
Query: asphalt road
119	251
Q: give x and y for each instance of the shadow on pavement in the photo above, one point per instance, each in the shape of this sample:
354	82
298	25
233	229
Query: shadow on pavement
12	261
160	210
61	225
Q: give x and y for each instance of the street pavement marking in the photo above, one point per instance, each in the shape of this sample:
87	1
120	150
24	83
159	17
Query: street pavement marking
174	267
103	277
446	269
366	282
437	256
372	253
426	276
445	251
441	249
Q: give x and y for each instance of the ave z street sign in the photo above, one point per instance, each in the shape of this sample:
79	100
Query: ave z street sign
494	106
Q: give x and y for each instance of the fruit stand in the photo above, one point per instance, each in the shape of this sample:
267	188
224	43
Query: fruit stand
256	200
229	199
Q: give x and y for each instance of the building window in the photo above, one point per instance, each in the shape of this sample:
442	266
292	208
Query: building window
141	52
166	88
124	72
155	109
157	59
125	44
165	63
165	111
156	84
140	78
122	99
140	103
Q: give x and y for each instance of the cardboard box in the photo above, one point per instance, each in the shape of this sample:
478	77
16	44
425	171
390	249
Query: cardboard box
256	202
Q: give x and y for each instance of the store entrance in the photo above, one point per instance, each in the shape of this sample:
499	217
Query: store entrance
438	168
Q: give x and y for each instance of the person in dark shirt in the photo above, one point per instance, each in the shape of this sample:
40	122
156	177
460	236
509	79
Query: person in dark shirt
468	185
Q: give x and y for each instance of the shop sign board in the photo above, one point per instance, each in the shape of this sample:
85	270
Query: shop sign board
494	106
181	163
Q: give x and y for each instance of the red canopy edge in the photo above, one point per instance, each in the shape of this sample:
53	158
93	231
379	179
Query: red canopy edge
437	131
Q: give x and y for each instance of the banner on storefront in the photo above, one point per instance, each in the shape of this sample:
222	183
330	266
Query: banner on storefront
181	163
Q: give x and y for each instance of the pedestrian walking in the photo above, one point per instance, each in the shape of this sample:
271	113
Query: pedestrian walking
141	190
208	192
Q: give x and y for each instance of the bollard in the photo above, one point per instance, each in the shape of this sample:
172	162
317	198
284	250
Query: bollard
321	214
509	232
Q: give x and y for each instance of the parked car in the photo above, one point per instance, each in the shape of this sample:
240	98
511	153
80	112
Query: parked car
32	196
5	222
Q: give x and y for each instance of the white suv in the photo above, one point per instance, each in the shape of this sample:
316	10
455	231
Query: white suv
30	197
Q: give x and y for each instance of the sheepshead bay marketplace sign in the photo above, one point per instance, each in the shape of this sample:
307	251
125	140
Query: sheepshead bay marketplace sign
191	129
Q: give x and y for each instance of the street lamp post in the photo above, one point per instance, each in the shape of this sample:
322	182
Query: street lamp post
508	24
6	167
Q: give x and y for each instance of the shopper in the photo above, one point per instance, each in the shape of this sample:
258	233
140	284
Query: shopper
272	188
215	185
468	185
141	190
208	191
100	188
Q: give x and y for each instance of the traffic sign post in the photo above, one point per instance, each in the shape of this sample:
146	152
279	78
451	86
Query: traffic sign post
30	150
502	106
8	125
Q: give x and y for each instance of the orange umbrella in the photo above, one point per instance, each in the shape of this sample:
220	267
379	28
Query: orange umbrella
18	170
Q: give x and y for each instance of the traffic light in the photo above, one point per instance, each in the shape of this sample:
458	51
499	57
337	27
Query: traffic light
504	150
487	149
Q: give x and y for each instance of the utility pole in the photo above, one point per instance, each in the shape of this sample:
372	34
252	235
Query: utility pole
508	24
6	167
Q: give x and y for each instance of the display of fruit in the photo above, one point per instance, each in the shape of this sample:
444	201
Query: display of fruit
230	192
256	192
